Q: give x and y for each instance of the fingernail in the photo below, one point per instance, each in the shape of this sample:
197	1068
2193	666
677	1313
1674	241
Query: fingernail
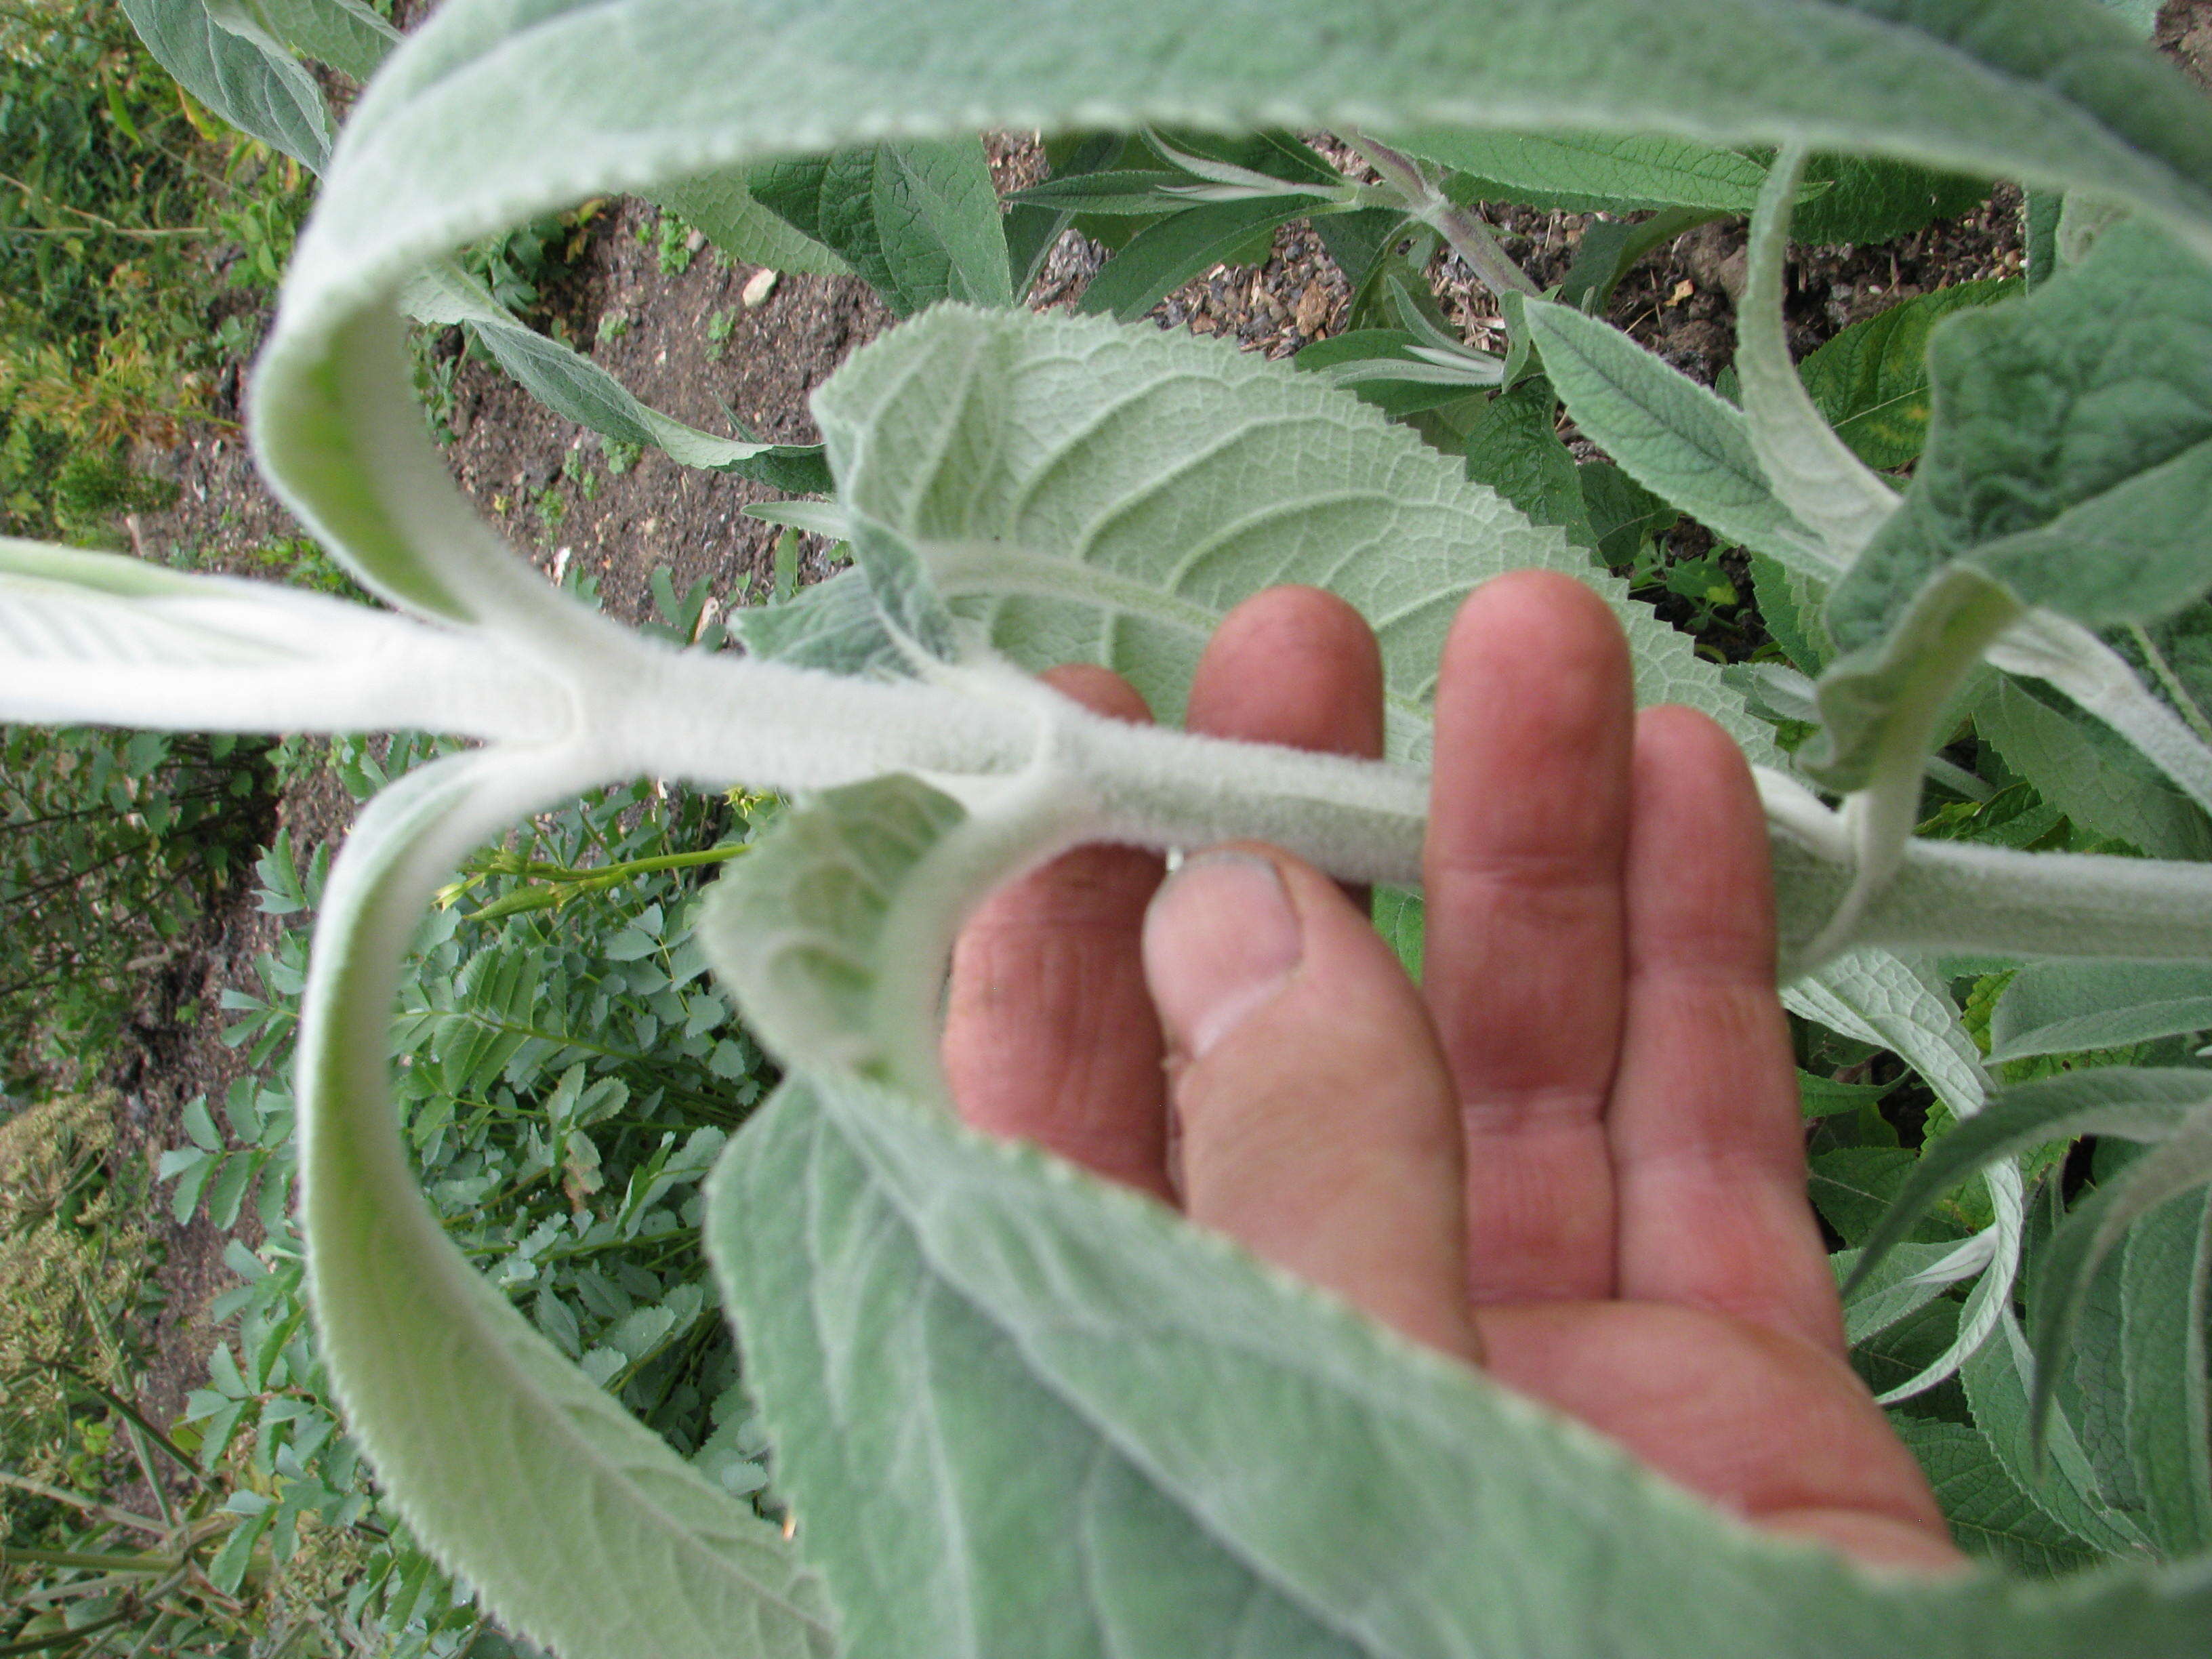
1221	939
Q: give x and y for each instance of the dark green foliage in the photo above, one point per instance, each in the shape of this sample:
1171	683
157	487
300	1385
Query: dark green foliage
109	844
567	1073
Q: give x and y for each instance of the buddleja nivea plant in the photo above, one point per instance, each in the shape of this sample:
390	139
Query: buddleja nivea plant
1015	1410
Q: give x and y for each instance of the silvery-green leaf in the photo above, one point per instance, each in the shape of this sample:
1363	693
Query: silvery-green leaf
2071	451
833	625
98	636
1374	365
2067	1007
578	1525
2130	1103
1989	1514
2046	1463
223	57
1883	999
2166	1265
2179	1162
343	33
1581	172
918	221
575	388
1871	381
719	205
2074	767
1090	492
808	935
385	501
1811	471
1672	435
973	1355
1904	1280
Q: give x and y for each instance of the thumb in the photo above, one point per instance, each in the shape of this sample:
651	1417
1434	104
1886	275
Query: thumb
1317	1122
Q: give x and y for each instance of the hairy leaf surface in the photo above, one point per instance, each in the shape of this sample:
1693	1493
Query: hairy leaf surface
2070	452
1086	492
2066	1007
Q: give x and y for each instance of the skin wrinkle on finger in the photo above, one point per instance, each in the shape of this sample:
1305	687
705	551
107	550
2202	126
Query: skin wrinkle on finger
1049	1033
1317	1117
1524	968
1708	1144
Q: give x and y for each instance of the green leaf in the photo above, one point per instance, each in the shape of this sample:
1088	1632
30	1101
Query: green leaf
222	55
1872	200
2166	1264
2177	1164
199	1124
2070	452
575	388
1162	258
1853	1186
918	221
1158	481
2068	1007
2091	776
343	33
2131	1103
1377	366
1989	1514
1513	445
2045	1461
1582	172
1623	514
1672	435
1821	1096
578	1524
1871	381
1400	917
1905	1280
721	205
802	932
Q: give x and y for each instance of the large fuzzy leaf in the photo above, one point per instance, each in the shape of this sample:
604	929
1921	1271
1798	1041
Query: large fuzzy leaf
96	637
578	1524
1087	491
2070	453
2065	1007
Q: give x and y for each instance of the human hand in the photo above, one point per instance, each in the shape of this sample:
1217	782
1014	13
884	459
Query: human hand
1574	1156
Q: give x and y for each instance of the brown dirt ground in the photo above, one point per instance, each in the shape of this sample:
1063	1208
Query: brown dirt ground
528	470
